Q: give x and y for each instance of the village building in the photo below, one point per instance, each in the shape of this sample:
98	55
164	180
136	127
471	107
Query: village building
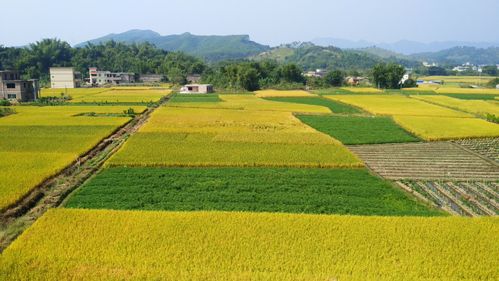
64	78
318	73
354	80
12	87
100	77
193	78
197	89
151	78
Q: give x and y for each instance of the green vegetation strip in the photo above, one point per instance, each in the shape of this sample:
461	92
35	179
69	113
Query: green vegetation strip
316	191
335	107
358	129
196	98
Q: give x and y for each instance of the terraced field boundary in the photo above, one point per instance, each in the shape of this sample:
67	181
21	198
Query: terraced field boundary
49	194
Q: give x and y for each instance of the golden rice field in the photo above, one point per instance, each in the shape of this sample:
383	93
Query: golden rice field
446	128
69	244
253	103
456	90
396	105
459	79
225	137
110	95
479	107
426	120
278	93
40	141
362	90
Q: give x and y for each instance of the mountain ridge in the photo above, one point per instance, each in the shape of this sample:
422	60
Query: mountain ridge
210	47
405	47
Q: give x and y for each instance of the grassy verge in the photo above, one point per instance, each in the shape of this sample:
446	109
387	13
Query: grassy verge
359	130
320	191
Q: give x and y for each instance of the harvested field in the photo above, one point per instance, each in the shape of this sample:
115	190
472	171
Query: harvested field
430	161
487	147
459	198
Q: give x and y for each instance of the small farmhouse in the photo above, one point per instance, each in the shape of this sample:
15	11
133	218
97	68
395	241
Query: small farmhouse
197	89
12	87
64	77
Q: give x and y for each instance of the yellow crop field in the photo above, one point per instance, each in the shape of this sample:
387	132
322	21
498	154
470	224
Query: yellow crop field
37	142
135	245
459	79
456	90
75	93
479	107
253	103
444	128
118	96
396	105
109	95
362	90
278	93
224	137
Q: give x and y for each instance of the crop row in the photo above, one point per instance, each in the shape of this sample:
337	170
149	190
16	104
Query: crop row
460	198
426	161
487	147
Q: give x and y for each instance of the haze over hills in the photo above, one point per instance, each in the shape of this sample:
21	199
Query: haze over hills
317	54
209	47
405	47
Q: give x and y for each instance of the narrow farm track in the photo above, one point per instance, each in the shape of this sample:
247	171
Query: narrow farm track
427	161
50	194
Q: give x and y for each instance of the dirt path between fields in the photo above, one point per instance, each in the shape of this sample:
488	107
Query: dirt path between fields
51	193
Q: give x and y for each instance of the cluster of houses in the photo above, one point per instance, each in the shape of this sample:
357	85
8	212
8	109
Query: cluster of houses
12	87
67	77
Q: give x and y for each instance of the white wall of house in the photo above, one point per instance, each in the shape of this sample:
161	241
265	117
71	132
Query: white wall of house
62	78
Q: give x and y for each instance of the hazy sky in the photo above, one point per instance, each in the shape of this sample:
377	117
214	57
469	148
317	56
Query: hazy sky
271	22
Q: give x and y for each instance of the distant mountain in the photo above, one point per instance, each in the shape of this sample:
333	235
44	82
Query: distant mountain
383	53
460	55
405	47
212	48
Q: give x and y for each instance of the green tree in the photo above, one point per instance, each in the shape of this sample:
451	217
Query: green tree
291	73
388	76
334	78
490	70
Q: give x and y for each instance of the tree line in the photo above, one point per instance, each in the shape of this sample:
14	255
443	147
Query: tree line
34	61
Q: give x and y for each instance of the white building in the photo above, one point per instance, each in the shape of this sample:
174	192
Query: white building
318	73
100	77
197	89
64	77
405	78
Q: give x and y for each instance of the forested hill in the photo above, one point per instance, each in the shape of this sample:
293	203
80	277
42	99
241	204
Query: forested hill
211	48
310	56
460	55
